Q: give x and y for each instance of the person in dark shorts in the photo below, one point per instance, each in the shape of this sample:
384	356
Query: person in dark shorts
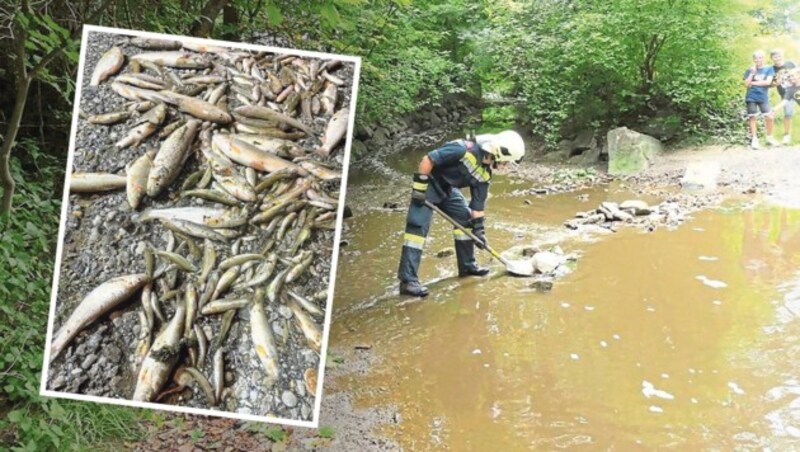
791	94
780	82
758	79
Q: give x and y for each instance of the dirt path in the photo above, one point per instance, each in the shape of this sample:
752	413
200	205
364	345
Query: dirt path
772	172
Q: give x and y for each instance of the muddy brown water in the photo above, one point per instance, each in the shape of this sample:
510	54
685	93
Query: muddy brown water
683	338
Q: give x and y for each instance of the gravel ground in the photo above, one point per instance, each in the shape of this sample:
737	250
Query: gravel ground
103	239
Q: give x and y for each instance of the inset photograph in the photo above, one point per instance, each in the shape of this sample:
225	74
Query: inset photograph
199	229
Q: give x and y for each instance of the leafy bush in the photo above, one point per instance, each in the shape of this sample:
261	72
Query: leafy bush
585	63
28	238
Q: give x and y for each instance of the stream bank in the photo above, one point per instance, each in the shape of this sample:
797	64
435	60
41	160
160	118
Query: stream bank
383	380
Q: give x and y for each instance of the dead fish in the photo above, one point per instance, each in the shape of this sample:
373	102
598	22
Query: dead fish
332	79
162	357
219	196
209	259
196	107
136	181
204	48
308	326
202	381
263	341
219	373
190	299
176	59
156	44
171	127
255	111
225	282
299	269
110	63
141	81
328	98
170	158
95	182
268	132
133	93
225	173
274	287
335	132
109	118
249	155
263	272
320	171
204	79
155	115
224	304
137	135
96	303
178	260
194	230
305	303
195	214
239	260
277	146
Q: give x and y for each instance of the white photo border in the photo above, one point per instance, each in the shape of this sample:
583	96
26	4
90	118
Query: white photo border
314	423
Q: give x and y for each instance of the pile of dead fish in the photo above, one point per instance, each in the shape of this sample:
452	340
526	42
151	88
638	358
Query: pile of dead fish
237	116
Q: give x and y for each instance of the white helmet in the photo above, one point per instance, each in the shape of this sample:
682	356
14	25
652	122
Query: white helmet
506	146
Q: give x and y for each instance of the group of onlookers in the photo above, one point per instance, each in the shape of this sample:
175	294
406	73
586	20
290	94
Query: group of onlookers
759	78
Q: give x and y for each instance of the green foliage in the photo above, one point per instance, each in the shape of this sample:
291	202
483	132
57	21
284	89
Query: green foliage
326	431
496	119
586	63
274	434
43	36
28	237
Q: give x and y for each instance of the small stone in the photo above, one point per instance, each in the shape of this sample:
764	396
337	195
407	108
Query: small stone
284	311
289	399
447	252
542	285
88	361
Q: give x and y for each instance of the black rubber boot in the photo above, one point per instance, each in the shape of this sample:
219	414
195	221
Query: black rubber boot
474	270
413	288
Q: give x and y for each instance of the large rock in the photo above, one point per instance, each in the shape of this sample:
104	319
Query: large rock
583	142
358	148
701	176
630	152
546	262
380	137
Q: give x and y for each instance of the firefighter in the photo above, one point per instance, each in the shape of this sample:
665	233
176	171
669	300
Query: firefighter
442	172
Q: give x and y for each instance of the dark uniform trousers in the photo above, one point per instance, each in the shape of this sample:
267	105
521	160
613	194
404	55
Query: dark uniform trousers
418	223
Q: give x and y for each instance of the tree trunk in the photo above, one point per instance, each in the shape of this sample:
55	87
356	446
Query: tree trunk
230	17
204	25
6	180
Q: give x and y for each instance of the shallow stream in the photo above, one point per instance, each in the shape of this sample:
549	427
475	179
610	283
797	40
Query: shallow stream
685	338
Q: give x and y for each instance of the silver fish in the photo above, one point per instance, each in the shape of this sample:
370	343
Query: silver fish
170	158
96	303
136	182
161	358
110	63
335	132
94	182
263	341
